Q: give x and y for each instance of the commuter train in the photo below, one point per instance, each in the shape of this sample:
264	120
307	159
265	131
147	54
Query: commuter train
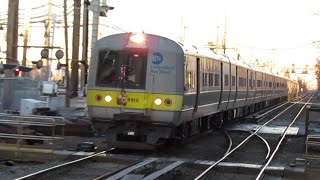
144	90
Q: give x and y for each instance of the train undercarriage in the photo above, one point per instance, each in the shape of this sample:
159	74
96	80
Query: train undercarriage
136	131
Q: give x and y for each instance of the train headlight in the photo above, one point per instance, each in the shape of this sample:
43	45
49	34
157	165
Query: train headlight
108	98
137	38
158	101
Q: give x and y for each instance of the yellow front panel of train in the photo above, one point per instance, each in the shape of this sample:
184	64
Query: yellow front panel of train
135	100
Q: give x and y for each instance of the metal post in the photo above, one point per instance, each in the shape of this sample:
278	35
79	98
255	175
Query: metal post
54	16
95	5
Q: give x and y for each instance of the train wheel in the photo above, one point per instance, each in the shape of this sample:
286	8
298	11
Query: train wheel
183	131
217	122
186	131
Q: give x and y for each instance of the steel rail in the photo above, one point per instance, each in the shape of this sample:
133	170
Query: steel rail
240	144
42	172
282	138
230	141
265	142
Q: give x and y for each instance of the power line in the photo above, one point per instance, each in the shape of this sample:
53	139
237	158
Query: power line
277	49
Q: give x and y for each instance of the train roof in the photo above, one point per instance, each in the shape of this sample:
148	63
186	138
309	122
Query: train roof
192	50
206	52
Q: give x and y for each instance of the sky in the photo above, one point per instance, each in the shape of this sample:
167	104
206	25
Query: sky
282	32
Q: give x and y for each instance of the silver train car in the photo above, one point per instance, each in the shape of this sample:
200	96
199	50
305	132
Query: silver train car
144	90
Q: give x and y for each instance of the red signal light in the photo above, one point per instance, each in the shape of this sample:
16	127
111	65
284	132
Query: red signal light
16	72
58	66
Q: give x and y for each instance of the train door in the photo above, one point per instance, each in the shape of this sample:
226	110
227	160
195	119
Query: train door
221	85
254	80
190	89
247	88
236	90
229	80
195	109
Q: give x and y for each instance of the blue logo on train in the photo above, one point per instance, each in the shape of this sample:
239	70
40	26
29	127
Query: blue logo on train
157	58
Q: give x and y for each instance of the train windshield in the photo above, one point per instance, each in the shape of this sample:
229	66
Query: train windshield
125	69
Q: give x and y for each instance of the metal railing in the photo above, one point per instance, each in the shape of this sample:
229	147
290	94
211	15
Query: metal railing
312	136
20	124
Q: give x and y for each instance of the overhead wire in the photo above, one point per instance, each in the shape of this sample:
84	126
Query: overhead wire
277	49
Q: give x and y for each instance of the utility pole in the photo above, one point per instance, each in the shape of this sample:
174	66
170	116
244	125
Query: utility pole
47	25
12	41
217	39
182	30
67	97
12	31
75	48
224	46
84	67
25	36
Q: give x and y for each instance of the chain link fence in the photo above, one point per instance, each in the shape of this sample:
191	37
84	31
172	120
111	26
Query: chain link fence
12	90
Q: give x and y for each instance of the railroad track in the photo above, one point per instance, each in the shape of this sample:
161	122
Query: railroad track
102	166
263	166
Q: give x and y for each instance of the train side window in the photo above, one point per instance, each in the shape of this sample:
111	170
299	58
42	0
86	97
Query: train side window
186	83
226	80
217	80
211	79
190	79
205	79
233	81
240	81
259	83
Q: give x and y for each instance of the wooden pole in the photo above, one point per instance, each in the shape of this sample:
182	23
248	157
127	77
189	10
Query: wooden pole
67	97
75	49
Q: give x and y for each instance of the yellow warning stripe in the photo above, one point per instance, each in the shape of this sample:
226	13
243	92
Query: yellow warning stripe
136	100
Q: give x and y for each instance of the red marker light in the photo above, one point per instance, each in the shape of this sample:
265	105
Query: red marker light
168	102
98	97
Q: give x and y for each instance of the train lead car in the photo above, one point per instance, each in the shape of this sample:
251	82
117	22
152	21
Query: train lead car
144	90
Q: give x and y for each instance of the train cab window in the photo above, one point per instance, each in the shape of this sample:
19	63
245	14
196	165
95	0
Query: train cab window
108	61
134	69
121	69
